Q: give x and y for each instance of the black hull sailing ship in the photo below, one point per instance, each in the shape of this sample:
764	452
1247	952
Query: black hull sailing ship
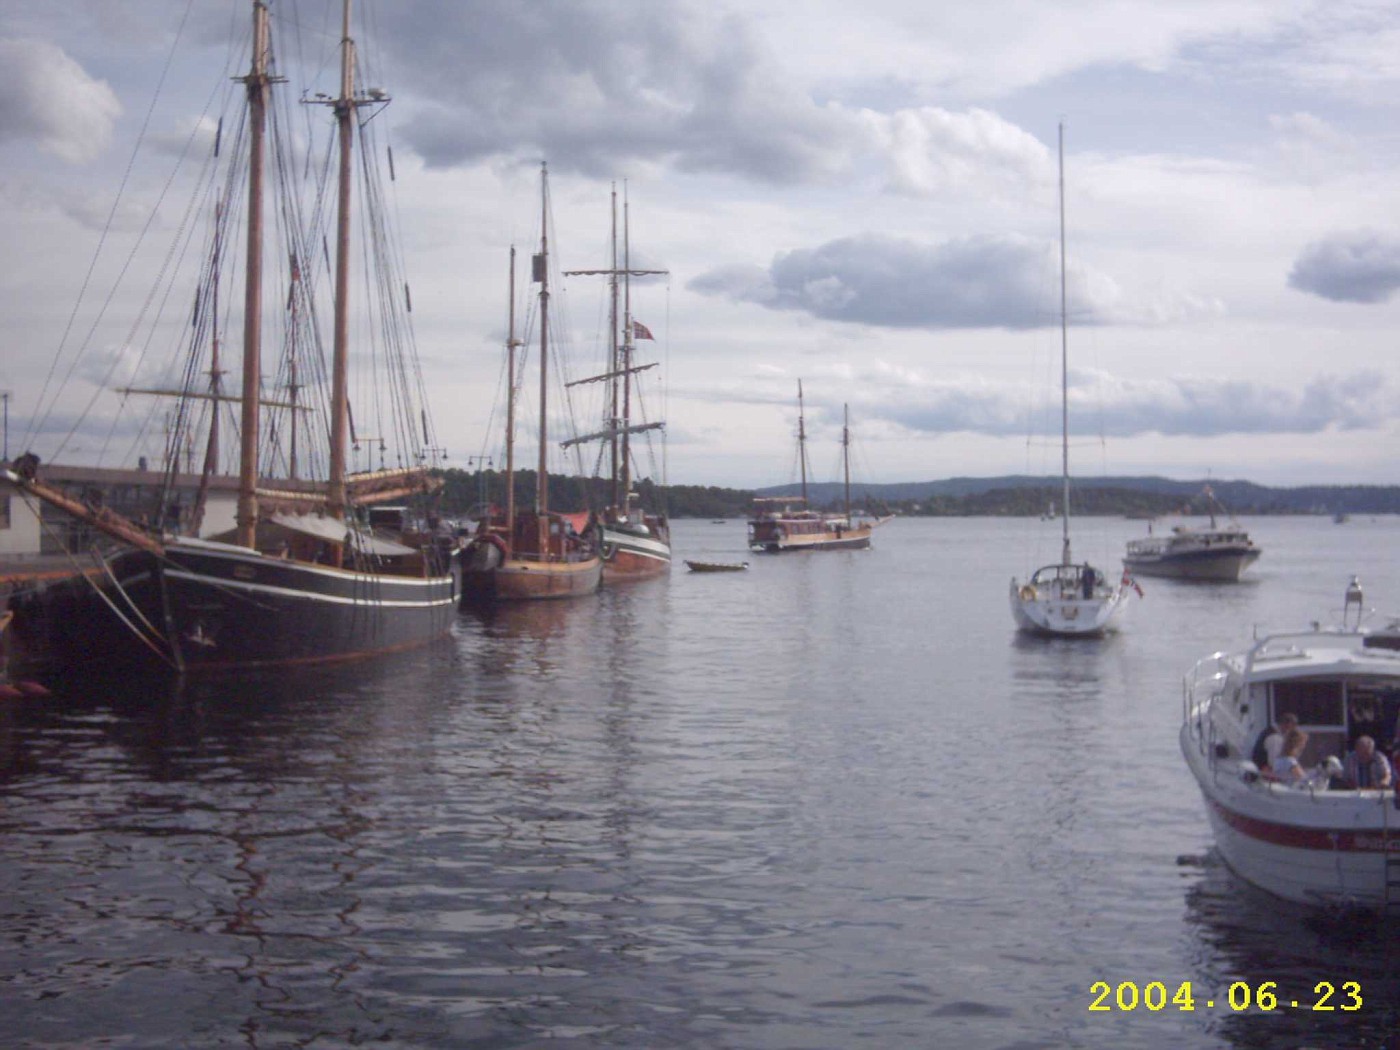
299	579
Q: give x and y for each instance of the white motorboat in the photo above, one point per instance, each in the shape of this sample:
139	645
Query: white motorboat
1066	598
1316	840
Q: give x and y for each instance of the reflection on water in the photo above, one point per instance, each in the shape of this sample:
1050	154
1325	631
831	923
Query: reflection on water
832	800
1241	934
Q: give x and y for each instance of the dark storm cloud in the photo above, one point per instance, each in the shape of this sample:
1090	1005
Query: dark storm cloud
974	282
592	85
1362	266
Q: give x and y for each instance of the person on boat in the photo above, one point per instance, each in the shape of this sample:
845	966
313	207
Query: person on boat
1086	580
1270	743
1288	767
1365	767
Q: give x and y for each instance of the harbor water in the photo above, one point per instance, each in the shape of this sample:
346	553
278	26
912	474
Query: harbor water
835	800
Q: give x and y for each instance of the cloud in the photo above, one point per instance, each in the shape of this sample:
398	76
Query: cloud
1005	281
1362	266
929	150
50	98
1121	408
600	87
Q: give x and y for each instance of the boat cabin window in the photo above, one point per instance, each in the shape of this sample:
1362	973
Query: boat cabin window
1316	703
1373	707
1335	712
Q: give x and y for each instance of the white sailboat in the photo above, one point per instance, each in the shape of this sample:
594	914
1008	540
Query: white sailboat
1066	598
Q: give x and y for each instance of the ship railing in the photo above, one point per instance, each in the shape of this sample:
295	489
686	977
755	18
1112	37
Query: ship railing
1202	686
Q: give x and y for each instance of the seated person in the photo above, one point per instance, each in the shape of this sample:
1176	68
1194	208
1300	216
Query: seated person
1270	743
1365	767
1287	767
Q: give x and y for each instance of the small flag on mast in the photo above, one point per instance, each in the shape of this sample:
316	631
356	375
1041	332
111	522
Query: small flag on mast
641	331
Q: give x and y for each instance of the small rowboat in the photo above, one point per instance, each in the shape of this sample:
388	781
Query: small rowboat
716	566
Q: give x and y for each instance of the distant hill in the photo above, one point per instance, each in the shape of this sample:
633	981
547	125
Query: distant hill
1015	495
1110	493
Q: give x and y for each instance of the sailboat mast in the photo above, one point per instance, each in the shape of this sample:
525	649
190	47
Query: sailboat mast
1065	558
257	81
801	442
542	276
613	357
511	344
628	345
846	453
211	445
340	368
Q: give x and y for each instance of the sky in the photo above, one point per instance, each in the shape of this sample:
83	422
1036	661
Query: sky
863	197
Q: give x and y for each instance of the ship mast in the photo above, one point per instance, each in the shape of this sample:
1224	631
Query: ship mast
613	356
846	453
1064	362
257	82
340	367
801	442
628	348
620	368
541	275
511	344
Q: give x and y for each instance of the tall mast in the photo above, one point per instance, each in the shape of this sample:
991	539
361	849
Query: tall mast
628	346
542	277
801	441
613	355
211	446
846	453
340	368
293	378
257	82
511	344
1064	361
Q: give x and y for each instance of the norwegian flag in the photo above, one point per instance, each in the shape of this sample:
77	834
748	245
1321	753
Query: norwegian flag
641	331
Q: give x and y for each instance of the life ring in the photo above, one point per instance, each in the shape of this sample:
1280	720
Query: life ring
1027	593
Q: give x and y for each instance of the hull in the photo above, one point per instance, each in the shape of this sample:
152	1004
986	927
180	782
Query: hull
775	541
211	608
629	556
1218	565
520	580
710	566
1324	848
1042	613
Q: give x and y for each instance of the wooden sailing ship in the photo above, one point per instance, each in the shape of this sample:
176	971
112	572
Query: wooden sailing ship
298	579
635	544
540	553
787	523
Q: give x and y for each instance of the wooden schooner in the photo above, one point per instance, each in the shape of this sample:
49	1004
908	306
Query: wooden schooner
299	579
540	553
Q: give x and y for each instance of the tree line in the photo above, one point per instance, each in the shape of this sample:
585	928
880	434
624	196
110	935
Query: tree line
465	494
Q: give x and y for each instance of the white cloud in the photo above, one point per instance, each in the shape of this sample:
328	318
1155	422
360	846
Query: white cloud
50	99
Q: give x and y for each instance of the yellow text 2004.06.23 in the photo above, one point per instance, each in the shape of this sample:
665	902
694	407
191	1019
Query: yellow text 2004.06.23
1265	997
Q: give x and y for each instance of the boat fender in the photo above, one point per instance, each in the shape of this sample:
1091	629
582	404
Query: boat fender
32	689
1027	593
